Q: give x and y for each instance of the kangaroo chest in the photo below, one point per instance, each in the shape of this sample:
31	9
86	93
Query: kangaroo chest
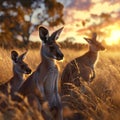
15	82
50	81
48	78
90	58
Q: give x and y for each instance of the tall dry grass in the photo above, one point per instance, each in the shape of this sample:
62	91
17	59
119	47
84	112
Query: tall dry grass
100	101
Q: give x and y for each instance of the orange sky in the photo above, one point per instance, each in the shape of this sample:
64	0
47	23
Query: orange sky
77	11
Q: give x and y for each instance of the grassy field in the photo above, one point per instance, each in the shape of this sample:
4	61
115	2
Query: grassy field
100	102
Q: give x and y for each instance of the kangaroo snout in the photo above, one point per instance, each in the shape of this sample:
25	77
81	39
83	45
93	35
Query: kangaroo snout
59	56
28	71
102	48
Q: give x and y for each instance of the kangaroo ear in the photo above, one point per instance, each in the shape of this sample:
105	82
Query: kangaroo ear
22	56
94	36
14	56
88	40
44	34
55	35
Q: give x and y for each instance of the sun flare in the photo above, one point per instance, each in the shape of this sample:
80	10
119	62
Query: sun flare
114	36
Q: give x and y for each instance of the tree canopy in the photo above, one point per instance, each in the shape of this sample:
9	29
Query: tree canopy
19	18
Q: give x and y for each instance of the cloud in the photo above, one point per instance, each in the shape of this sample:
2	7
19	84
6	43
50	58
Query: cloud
80	4
76	4
104	7
81	15
66	3
89	10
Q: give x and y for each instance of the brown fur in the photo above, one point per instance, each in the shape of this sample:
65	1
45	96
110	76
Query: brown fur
82	68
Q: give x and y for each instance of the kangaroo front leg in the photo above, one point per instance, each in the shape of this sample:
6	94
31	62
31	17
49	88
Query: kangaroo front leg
40	91
93	75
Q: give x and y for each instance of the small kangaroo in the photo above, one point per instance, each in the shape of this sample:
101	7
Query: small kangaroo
43	83
19	68
83	66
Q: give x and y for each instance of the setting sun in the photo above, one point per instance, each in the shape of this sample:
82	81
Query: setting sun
114	35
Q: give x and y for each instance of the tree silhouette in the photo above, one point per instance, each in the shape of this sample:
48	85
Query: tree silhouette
105	17
19	18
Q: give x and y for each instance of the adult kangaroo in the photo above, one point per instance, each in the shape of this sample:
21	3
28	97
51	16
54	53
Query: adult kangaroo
19	68
43	83
83	66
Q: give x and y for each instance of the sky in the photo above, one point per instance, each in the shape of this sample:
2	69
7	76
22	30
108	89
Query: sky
81	15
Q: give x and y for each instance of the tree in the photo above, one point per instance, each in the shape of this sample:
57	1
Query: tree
105	17
19	18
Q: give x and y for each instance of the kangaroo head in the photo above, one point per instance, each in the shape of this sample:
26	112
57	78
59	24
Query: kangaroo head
94	44
50	48
19	65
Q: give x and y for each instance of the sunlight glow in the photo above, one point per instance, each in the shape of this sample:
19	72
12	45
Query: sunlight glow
114	37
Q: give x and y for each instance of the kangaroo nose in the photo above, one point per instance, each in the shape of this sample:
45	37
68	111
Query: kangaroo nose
60	56
102	48
28	71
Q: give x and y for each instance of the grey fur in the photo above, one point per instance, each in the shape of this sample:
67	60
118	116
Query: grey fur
43	83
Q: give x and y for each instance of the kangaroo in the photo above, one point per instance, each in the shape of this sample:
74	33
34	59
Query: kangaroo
19	68
43	83
83	66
